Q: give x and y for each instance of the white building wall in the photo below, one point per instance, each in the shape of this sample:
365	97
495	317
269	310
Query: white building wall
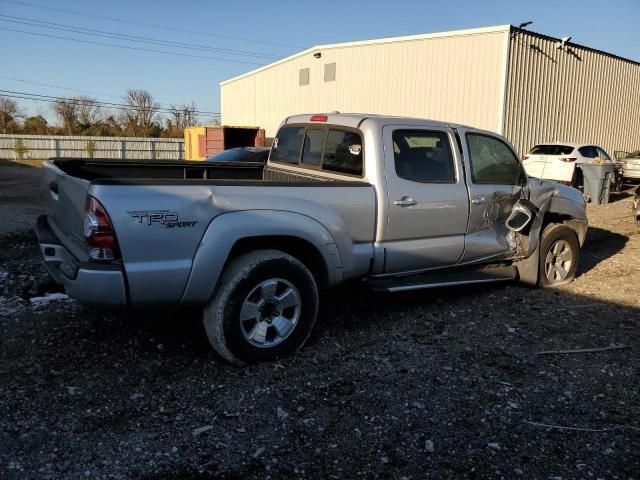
455	76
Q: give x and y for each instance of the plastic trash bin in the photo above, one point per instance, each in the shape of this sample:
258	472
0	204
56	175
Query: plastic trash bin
598	178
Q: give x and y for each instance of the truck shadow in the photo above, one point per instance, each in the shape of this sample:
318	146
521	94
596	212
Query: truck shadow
600	245
181	330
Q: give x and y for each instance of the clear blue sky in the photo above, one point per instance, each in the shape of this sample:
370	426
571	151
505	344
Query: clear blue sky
277	28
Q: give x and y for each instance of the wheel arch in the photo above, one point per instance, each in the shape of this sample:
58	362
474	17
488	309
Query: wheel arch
235	233
297	247
556	210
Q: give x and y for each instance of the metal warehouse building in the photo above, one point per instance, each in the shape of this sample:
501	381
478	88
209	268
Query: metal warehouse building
529	87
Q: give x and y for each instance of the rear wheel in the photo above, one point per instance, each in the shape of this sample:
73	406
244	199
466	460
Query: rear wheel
559	252
264	309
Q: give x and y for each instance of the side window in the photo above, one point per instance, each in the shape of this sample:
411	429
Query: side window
343	153
603	154
423	156
492	161
313	146
287	145
589	152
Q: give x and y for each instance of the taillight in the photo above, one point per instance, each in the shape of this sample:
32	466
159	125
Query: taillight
319	118
525	157
568	159
100	238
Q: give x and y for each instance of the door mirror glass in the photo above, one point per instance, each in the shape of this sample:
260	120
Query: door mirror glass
519	218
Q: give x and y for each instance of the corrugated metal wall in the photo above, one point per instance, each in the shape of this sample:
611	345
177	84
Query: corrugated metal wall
124	148
454	77
573	94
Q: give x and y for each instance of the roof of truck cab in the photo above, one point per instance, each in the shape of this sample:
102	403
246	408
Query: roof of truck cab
354	120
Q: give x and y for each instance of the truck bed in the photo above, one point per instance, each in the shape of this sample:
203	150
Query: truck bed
206	204
93	169
117	171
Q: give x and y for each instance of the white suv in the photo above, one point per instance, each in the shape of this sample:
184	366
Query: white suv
557	161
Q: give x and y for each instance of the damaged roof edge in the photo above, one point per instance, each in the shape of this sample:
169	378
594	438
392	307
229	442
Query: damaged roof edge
408	38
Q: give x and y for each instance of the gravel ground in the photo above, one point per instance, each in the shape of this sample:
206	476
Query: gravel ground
431	384
19	196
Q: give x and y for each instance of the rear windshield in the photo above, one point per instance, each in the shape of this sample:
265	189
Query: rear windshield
551	150
325	148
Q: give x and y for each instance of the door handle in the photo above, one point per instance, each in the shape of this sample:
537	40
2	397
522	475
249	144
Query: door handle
478	200
405	202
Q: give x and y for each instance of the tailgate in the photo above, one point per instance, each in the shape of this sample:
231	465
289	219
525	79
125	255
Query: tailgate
64	197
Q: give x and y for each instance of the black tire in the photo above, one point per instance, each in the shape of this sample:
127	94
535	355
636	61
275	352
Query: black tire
242	278
560	237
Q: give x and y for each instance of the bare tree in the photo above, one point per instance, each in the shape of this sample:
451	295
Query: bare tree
89	112
181	118
140	117
67	110
9	113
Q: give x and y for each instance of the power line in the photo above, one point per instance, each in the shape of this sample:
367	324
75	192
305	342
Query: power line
40	84
61	88
149	25
78	101
29	98
97	103
131	38
79	40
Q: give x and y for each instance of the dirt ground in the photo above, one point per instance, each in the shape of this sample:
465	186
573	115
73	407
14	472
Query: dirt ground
431	384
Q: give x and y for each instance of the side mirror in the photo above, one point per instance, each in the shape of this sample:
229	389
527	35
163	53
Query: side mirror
523	178
519	218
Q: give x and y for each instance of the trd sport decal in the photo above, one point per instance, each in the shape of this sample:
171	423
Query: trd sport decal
164	217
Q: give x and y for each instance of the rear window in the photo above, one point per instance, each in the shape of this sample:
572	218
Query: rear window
343	153
551	150
328	149
287	145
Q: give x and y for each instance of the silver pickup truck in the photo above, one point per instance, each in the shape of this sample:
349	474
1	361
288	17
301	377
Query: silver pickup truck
399	203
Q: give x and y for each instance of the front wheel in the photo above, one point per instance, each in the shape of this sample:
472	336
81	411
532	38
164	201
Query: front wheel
265	308
559	251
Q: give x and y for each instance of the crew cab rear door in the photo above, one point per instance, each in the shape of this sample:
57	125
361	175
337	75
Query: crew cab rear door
427	200
495	179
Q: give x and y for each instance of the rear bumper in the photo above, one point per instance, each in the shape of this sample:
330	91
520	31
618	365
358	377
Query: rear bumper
94	284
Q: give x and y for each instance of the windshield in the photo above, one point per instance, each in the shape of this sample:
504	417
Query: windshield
551	150
635	154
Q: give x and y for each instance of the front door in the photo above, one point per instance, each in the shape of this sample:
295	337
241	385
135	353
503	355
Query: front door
495	179
427	203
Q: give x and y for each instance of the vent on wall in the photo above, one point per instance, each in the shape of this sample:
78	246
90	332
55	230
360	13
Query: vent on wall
303	78
330	72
